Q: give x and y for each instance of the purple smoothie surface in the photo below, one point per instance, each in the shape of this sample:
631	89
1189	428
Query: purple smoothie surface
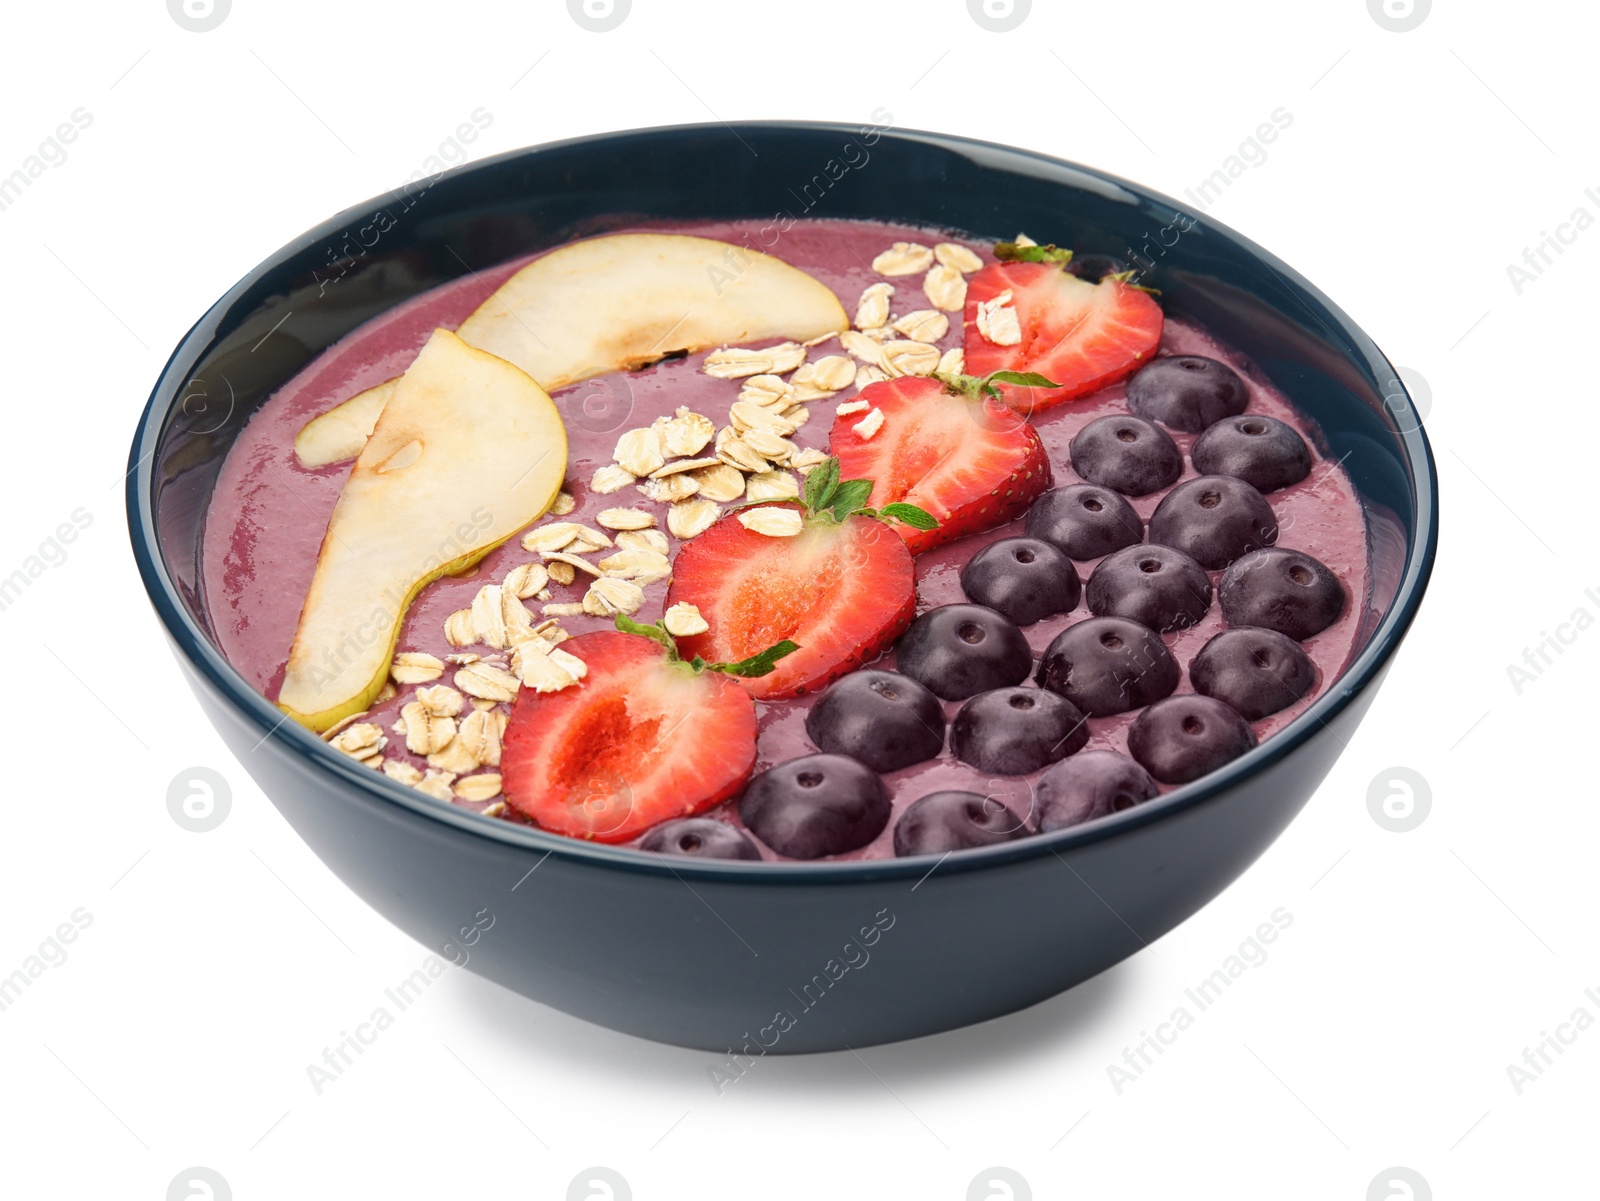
268	515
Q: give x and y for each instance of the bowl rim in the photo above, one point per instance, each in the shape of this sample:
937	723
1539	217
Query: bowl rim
274	725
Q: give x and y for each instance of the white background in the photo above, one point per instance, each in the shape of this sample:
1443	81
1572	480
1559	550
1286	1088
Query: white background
218	966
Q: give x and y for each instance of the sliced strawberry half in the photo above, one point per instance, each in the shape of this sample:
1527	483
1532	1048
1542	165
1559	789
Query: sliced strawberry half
1078	334
642	738
843	589
961	456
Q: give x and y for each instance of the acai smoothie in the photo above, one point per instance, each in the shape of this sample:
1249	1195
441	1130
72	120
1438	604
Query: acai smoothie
614	667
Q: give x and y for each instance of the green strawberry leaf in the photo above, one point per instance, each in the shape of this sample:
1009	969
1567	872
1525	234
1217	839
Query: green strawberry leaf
756	665
917	519
1012	252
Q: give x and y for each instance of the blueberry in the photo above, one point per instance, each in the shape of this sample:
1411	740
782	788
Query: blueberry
1283	590
1108	665
699	838
816	805
1187	392
884	719
1155	585
1025	578
1095	267
1256	671
1126	454
1085	520
954	821
1014	731
1262	451
1214	519
961	650
1084	787
1184	737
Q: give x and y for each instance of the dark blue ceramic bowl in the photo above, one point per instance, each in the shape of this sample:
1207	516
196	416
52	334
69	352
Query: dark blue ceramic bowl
792	957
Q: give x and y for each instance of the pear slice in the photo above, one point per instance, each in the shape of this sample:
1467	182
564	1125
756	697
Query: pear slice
467	452
617	303
620	302
342	431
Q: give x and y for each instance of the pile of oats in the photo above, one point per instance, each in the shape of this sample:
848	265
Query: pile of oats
457	727
693	466
886	345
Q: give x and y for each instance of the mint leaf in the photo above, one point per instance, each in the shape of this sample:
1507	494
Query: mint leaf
655	633
755	665
850	496
827	494
974	387
821	482
917	519
1011	252
1025	379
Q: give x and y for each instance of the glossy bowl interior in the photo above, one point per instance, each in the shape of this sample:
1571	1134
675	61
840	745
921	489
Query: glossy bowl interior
711	954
